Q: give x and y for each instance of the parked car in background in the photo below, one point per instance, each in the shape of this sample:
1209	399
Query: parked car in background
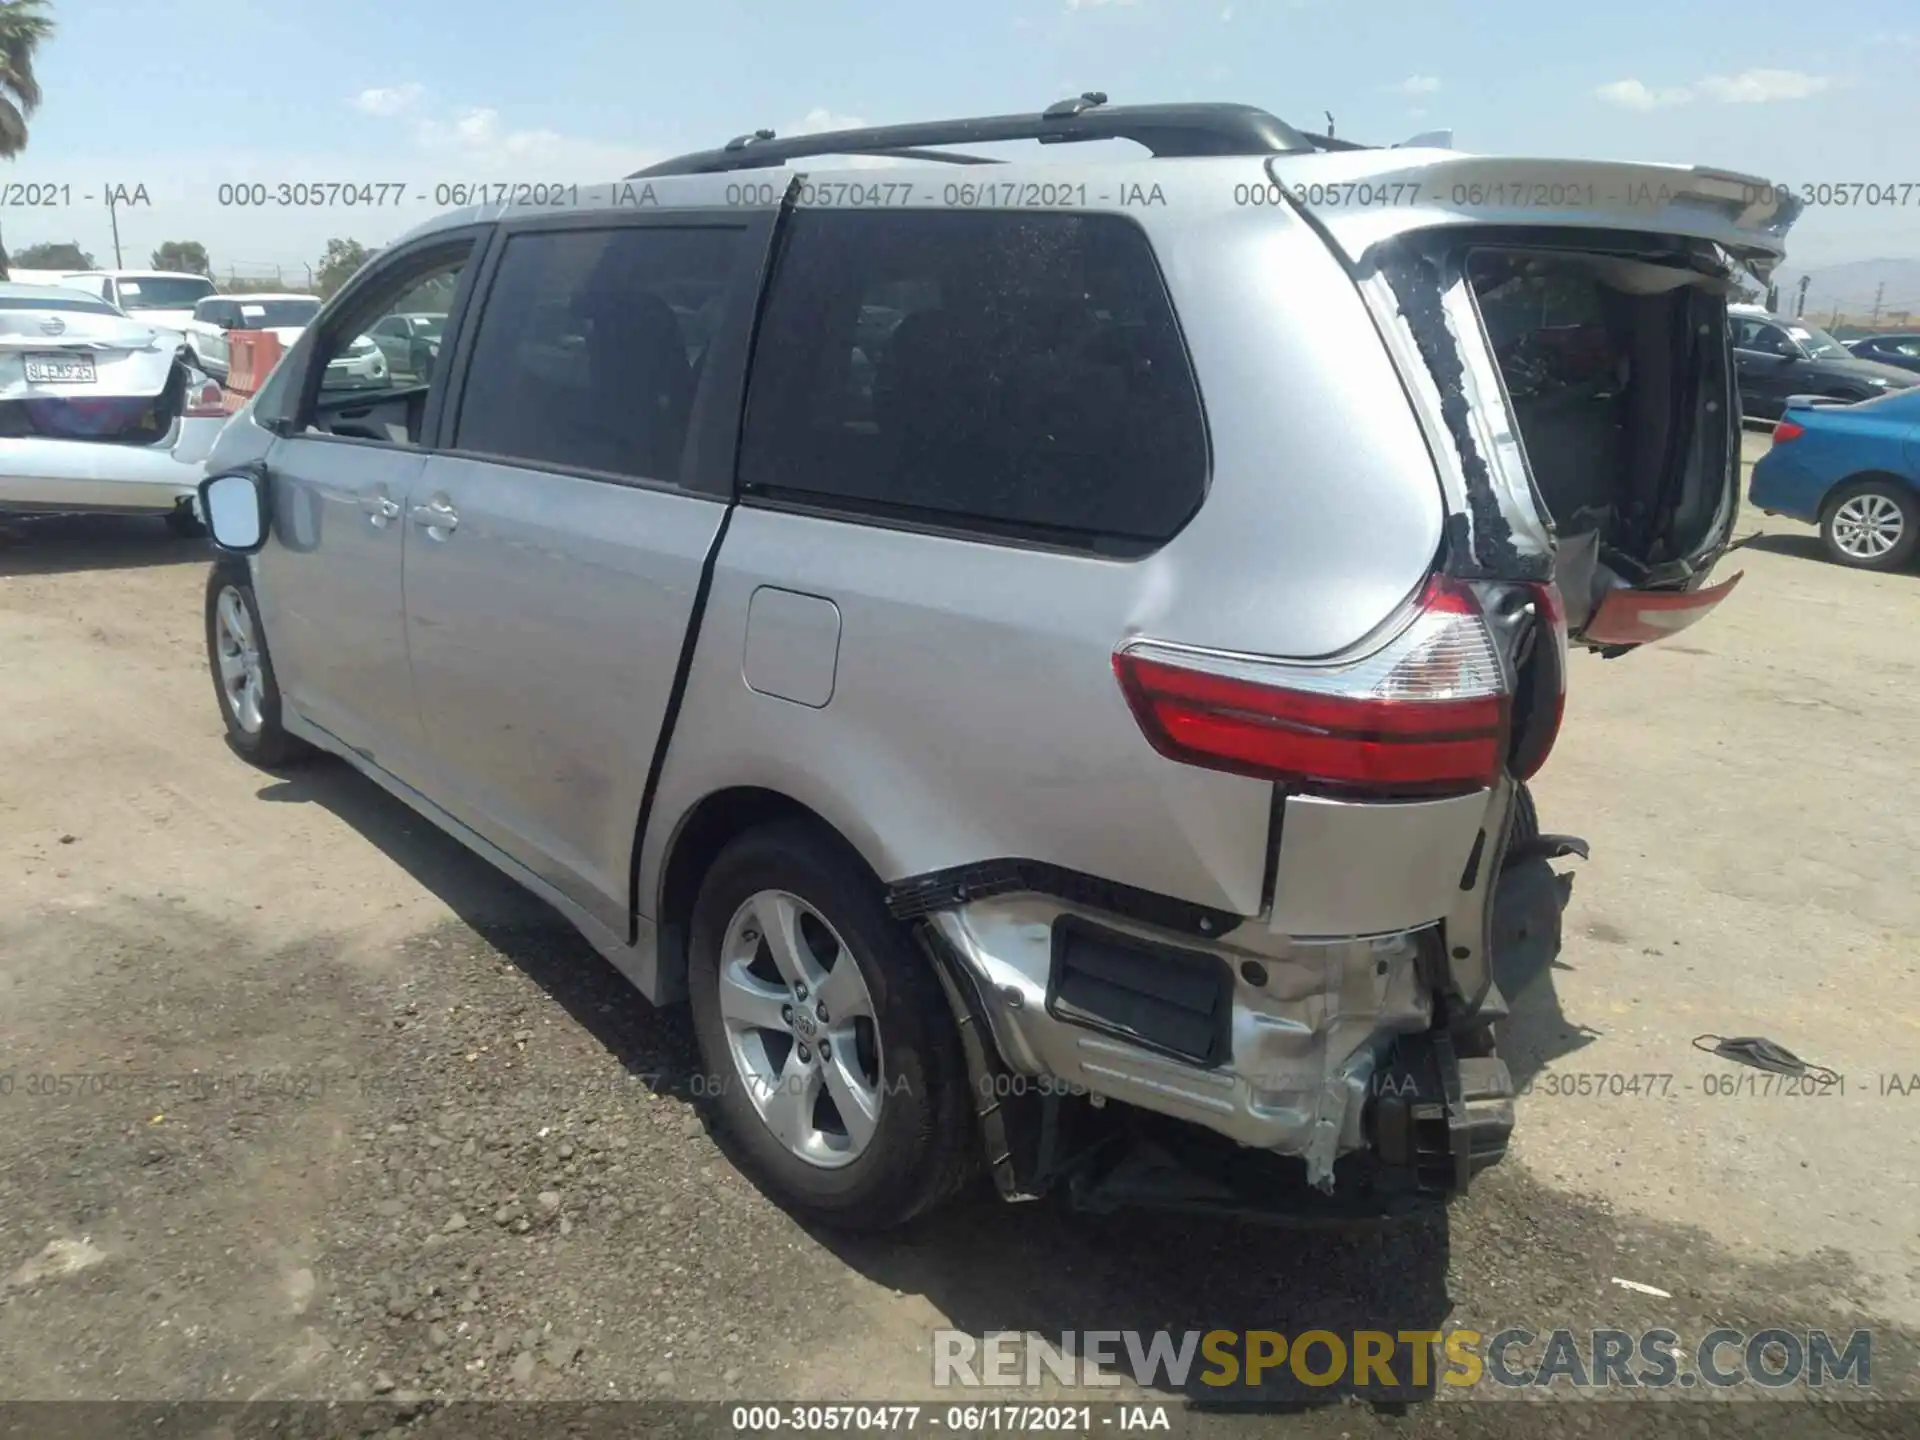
1017	660
361	365
1777	357
411	344
1853	470
98	412
1899	350
217	316
163	298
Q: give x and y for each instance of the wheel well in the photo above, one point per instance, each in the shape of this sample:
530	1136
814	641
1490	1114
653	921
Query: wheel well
707	830
1853	482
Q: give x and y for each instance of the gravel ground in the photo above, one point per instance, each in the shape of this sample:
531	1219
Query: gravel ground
339	1115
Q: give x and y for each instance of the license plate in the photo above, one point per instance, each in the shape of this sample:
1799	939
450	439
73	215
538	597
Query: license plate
60	369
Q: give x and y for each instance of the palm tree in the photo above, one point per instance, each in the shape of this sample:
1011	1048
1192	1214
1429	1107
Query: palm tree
23	25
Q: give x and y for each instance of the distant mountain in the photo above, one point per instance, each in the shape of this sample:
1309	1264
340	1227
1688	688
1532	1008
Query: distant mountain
1851	287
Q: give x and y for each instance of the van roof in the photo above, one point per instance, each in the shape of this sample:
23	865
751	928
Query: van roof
1200	156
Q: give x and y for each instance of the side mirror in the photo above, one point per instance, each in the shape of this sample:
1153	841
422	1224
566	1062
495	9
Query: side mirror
234	506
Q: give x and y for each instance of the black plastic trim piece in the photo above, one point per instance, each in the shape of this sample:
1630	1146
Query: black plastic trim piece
920	895
1006	1112
1438	1116
1161	998
1471	875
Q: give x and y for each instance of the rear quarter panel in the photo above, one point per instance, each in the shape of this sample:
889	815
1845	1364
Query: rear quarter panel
975	714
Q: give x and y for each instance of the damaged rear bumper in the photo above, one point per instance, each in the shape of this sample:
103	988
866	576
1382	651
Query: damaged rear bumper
1330	1051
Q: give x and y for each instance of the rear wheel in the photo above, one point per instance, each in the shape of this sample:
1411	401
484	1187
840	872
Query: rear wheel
829	1050
243	679
1871	525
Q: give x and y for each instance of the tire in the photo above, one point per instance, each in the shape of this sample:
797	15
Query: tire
254	728
922	1145
183	524
1871	525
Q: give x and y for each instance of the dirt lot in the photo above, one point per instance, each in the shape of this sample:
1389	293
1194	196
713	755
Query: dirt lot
479	1173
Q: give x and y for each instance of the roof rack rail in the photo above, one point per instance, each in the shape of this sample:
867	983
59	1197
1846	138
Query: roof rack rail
1165	130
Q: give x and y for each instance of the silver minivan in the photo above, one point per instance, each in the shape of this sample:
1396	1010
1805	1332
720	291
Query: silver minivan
1045	658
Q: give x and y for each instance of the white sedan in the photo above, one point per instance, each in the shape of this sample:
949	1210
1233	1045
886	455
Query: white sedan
218	316
98	412
362	367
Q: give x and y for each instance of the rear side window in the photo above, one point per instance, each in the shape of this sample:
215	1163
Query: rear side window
590	347
1008	373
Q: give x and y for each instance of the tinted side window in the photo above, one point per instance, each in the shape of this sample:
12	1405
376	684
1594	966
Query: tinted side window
590	347
1009	372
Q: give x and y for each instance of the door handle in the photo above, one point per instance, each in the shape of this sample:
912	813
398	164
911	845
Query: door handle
434	515
378	507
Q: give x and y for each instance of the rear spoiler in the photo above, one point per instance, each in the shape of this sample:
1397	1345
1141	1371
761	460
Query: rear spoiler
1361	198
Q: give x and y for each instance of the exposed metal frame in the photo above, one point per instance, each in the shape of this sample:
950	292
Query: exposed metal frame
1167	131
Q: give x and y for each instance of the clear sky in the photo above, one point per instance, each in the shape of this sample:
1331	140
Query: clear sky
182	98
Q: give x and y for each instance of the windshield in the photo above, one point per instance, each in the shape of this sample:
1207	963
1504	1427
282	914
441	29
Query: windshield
428	325
79	302
277	314
163	292
1818	344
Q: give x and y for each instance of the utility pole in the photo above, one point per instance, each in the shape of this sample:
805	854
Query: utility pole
1834	319
1879	294
1800	305
113	219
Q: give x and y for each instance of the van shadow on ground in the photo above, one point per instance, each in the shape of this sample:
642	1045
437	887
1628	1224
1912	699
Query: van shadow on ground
63	544
1039	1268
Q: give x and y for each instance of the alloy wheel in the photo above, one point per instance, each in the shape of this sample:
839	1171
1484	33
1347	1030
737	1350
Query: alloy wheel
1867	526
801	1029
241	680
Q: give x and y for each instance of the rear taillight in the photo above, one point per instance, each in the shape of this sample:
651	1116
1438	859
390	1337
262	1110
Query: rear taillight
1787	430
205	398
1425	714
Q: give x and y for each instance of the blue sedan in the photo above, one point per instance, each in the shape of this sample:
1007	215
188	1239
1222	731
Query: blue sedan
1853	470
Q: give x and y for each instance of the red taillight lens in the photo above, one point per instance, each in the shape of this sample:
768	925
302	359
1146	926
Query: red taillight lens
1426	714
205	400
1787	430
